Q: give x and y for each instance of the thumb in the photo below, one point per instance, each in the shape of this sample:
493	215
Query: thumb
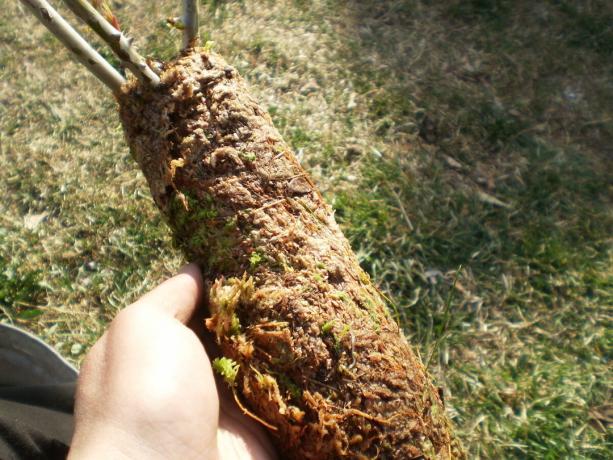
178	296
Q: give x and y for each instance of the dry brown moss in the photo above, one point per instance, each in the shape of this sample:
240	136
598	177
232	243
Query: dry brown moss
321	360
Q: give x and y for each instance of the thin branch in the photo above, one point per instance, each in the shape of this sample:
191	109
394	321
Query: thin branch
82	50
115	39
102	6
190	22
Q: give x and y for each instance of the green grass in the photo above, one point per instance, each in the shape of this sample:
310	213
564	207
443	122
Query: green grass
465	146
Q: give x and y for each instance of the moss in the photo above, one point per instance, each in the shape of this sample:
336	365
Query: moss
339	336
248	156
255	259
231	223
235	325
376	322
365	301
178	216
290	386
225	296
327	330
201	208
197	225
343	333
264	380
236	218
209	46
227	368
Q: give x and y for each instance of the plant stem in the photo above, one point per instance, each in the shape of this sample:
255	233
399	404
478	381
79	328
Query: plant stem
115	39
82	50
190	20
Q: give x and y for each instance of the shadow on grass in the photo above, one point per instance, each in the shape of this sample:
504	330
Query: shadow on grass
489	206
513	156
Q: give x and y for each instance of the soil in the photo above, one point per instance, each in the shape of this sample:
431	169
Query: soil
320	360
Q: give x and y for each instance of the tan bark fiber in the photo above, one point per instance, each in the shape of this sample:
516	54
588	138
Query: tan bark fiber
320	358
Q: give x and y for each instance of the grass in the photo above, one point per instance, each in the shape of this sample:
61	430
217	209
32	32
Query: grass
465	146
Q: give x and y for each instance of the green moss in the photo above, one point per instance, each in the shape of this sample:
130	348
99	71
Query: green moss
231	223
209	46
177	214
376	321
225	296
343	333
235	325
329	326
202	209
247	156
288	384
222	240
255	259
200	230
227	368
186	212
341	296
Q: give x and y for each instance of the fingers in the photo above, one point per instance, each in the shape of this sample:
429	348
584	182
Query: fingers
178	296
146	389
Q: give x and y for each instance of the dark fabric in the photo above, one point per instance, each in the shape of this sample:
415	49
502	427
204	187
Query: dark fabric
36	422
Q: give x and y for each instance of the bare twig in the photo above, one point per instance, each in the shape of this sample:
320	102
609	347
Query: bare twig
82	50
115	39
190	22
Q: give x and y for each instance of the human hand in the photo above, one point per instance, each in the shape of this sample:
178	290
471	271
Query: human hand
147	390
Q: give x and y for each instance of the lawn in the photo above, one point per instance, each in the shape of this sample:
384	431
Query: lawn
465	145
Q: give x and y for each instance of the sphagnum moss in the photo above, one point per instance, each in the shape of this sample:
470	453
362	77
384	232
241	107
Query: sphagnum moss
318	358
